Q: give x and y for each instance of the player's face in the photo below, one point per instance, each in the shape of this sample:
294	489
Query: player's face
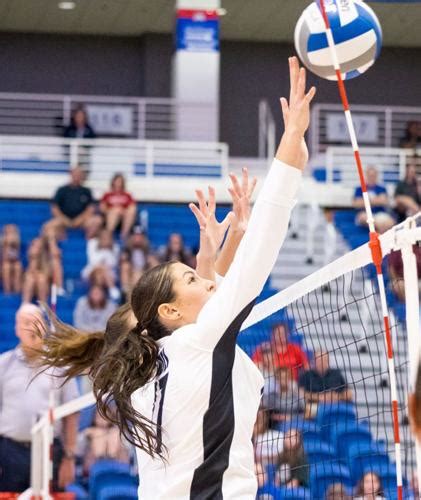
191	291
26	330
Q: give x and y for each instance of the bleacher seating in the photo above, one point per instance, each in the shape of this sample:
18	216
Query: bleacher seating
326	444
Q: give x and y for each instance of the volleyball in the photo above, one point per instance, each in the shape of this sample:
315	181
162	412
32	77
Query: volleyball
356	31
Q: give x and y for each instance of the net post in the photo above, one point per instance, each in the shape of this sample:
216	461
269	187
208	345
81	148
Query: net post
374	243
412	304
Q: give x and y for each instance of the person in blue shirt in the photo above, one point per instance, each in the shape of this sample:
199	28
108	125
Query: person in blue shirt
379	200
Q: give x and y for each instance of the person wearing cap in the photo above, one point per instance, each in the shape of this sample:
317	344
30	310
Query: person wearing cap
24	397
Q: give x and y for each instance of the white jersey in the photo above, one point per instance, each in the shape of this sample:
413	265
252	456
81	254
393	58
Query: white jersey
207	393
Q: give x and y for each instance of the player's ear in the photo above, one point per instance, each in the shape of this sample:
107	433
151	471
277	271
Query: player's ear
168	312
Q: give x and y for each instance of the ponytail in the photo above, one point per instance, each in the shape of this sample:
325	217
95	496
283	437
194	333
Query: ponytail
70	349
120	360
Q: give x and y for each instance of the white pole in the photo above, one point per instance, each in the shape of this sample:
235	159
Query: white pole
412	316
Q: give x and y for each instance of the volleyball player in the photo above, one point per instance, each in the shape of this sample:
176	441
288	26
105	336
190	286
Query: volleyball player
187	397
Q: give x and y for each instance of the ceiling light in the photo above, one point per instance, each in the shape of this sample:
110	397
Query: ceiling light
66	5
221	11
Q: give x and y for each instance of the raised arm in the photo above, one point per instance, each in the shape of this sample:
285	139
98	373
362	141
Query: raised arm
267	228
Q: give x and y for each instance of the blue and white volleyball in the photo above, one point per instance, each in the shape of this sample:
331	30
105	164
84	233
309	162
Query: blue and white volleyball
356	31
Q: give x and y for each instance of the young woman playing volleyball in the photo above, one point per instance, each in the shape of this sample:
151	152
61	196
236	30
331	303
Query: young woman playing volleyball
186	395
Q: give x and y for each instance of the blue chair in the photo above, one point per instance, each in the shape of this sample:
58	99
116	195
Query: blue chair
109	473
86	417
366	457
118	492
322	475
293	494
329	415
78	491
347	434
318	451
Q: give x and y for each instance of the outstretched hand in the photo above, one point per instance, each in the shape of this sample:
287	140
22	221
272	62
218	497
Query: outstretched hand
212	232
296	114
241	196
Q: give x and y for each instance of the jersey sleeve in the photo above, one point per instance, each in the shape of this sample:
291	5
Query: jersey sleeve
253	261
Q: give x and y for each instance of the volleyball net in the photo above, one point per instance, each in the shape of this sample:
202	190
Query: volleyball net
325	419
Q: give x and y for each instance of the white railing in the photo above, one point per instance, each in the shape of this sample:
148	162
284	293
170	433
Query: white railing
267	131
101	158
389	162
376	126
130	117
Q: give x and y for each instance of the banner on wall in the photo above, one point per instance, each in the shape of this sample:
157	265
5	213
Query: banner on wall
366	127
197	30
108	119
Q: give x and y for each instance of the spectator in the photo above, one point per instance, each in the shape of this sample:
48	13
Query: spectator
73	206
268	442
407	194
79	127
261	474
412	137
395	265
135	258
322	384
287	403
119	207
103	441
44	267
337	491
103	256
93	310
379	203
11	266
24	396
287	354
369	487
175	250
292	464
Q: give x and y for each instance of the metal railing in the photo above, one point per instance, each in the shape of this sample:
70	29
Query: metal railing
389	162
376	126
101	158
129	117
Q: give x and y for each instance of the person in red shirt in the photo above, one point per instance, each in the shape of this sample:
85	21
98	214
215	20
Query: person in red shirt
118	207
286	354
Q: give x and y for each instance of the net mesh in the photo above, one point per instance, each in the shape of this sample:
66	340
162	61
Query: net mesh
325	420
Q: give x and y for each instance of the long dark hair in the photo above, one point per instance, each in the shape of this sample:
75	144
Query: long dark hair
120	360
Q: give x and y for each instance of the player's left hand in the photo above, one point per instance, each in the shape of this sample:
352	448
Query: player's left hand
212	232
241	194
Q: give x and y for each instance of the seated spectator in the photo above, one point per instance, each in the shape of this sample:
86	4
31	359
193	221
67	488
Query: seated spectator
10	258
292	464
369	488
408	194
119	207
337	491
379	203
103	441
44	268
288	402
286	354
322	384
73	206
24	398
103	254
412	137
79	127
268	442
175	250
93	310
395	266
135	258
